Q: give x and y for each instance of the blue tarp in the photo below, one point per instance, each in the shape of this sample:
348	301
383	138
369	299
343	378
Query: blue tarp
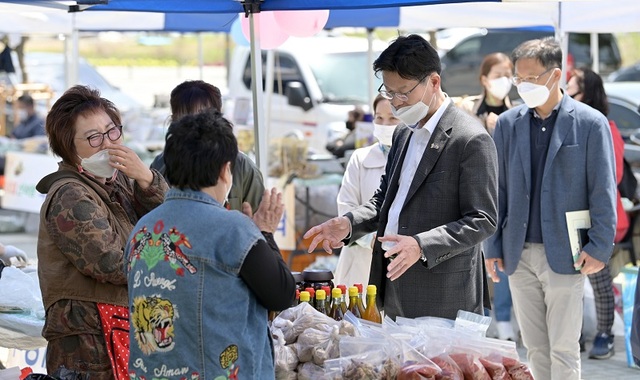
234	6
221	22
198	22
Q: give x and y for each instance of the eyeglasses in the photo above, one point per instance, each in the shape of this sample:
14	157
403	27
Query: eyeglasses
516	80
401	96
96	139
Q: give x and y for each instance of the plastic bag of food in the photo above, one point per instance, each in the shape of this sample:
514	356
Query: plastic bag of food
495	368
318	344
370	365
449	369
310	371
517	370
419	371
470	365
295	320
20	292
285	357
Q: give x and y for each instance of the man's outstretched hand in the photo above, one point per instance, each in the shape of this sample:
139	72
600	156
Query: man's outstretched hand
330	233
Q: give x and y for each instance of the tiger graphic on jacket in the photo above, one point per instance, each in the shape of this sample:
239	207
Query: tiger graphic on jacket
152	319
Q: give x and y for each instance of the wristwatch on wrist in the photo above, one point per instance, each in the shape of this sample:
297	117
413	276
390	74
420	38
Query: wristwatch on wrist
423	258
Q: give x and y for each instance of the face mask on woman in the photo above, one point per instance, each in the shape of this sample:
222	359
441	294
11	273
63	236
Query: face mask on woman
98	164
499	87
384	133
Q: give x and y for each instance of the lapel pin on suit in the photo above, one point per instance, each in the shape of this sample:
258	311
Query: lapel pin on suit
435	146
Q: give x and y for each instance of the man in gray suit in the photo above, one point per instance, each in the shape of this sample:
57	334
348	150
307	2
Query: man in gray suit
437	199
555	155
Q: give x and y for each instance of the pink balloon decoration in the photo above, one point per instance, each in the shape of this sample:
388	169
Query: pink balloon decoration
302	23
270	34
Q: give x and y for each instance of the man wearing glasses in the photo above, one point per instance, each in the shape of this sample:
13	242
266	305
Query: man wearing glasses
555	155
437	199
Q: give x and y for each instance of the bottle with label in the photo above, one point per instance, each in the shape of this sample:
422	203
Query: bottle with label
321	301
360	298
371	312
305	297
343	289
312	295
336	305
354	302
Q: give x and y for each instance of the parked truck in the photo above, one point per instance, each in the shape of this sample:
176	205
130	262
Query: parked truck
317	81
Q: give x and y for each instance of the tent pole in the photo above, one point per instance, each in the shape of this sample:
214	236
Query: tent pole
595	53
260	142
73	61
369	68
268	91
563	38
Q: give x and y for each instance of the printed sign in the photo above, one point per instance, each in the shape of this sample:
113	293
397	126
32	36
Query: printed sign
36	359
22	172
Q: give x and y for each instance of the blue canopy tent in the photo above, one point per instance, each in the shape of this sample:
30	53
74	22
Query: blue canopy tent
235	6
249	7
353	11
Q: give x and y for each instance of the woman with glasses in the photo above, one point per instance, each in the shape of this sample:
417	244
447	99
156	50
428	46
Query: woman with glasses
496	71
93	201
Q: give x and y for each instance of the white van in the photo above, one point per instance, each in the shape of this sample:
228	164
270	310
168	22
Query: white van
317	81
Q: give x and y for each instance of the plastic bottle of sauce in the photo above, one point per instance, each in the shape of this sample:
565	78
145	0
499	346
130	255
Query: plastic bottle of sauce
371	312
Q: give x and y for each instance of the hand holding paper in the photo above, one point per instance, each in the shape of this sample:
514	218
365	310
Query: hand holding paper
587	264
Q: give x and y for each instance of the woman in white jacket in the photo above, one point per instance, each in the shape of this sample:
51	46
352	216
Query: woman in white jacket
361	179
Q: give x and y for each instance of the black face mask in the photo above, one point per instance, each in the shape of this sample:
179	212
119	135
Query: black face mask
351	125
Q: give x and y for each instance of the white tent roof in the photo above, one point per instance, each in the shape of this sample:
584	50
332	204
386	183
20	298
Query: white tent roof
603	16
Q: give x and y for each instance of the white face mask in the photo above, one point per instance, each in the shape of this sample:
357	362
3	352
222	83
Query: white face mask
98	165
384	133
23	115
534	95
411	115
499	87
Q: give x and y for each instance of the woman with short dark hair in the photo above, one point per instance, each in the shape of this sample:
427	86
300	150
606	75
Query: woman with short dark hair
218	271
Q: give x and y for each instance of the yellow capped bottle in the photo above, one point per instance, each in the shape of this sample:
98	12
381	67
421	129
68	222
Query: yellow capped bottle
312	296
371	312
305	297
354	302
336	305
321	301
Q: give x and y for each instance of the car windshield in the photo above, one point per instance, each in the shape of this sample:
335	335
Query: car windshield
343	77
